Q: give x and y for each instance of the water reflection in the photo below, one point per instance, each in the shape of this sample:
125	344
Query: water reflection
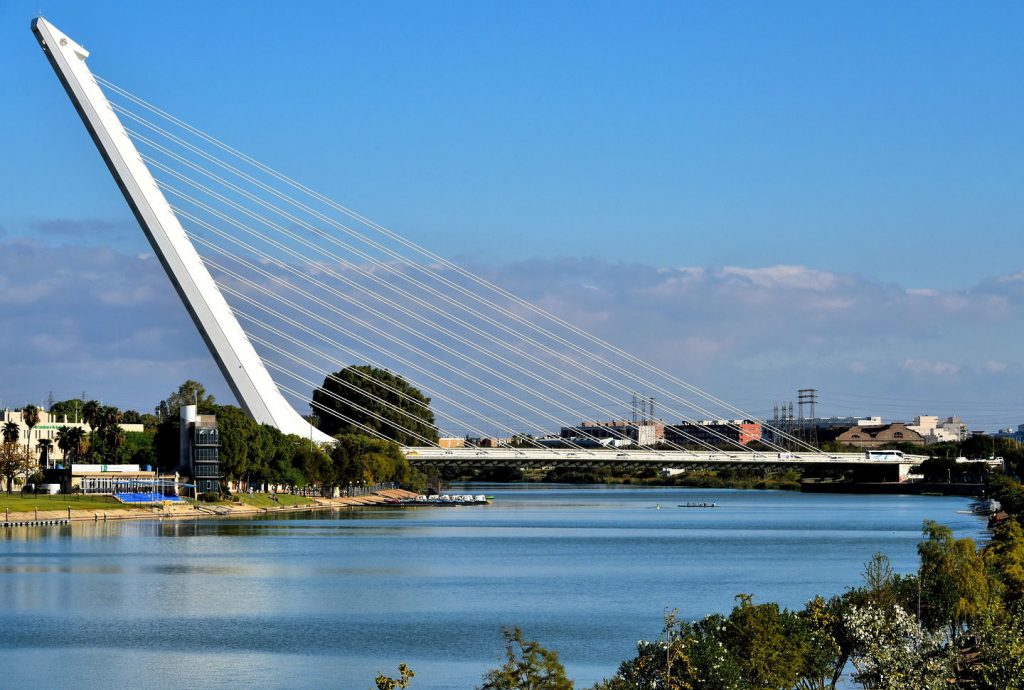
331	598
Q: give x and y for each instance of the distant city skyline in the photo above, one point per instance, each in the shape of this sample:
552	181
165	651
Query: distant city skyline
798	196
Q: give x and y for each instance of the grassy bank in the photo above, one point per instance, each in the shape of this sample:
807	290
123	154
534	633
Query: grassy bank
19	503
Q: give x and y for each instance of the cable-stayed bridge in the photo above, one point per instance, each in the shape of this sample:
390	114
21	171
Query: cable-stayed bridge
288	286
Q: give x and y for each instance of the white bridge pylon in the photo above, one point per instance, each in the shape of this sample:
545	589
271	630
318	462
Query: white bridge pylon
238	361
319	287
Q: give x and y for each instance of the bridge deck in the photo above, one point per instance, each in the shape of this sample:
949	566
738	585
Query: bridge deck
598	457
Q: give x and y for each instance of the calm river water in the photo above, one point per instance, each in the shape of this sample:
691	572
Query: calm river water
328	600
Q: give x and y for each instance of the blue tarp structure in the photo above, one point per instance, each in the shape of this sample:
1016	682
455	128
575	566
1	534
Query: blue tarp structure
148	497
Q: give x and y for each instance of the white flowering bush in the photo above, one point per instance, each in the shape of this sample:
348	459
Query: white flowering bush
894	653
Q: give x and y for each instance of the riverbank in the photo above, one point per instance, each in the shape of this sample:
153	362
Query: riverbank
737	479
894	489
105	508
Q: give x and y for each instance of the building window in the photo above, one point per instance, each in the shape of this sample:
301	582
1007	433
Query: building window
898	434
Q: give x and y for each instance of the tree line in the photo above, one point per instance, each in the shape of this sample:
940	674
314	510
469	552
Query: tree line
258	455
255	455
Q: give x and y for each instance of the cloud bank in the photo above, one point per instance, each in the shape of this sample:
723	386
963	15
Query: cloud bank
79	317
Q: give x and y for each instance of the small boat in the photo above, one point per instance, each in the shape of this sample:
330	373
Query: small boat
989	506
698	505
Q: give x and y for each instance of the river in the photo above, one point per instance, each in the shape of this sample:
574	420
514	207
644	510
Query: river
329	599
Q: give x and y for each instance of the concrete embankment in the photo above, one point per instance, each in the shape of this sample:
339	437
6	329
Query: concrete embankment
196	510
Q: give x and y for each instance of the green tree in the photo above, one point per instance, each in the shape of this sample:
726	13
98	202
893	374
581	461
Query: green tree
66	410
527	666
91	413
313	462
131	417
405	674
363	459
1000	662
765	640
826	655
190	393
13	462
1004	556
137	448
1008	492
107	436
166	442
954	583
237	432
376	399
70	440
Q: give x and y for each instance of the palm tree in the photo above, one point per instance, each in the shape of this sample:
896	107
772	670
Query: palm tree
66	441
44	445
30	416
77	437
113	434
11	432
91	413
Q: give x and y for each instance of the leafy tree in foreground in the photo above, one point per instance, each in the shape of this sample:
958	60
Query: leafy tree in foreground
13	463
894	653
528	666
954	582
767	642
1000	665
828	646
1005	558
405	674
376	399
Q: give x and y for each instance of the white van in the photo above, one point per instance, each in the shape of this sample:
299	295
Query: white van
889	455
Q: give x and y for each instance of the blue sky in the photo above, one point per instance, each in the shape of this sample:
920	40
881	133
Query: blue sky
875	147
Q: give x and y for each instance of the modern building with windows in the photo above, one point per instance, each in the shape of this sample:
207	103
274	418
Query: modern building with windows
200	449
715	432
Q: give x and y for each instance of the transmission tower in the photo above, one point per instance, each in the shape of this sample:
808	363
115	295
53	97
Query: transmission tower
808	425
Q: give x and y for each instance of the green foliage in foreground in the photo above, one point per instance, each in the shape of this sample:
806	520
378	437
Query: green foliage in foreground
405	674
969	635
527	665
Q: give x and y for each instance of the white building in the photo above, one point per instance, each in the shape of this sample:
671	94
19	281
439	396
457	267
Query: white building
934	431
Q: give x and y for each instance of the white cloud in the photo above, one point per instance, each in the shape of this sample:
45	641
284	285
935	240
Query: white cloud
918	365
